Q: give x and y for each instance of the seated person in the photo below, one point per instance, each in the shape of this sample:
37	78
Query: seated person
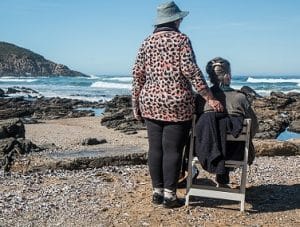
211	147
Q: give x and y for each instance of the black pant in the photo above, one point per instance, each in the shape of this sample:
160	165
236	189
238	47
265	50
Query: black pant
166	142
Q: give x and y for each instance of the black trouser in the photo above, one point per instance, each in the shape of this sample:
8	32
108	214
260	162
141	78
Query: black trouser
166	142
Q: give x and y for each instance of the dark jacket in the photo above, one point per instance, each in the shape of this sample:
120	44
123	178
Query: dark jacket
235	102
236	106
211	147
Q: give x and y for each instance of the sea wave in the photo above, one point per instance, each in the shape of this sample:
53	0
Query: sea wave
268	92
79	97
100	84
272	80
10	79
122	79
92	77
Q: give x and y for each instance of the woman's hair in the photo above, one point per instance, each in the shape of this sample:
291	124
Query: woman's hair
170	25
219	72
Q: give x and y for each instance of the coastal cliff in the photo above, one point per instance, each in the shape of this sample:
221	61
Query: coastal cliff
18	61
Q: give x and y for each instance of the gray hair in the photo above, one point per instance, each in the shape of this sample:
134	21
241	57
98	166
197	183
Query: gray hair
219	72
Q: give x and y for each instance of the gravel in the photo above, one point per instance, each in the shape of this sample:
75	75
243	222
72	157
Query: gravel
121	196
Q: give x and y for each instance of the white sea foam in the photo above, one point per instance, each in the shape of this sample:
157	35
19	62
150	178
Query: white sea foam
263	92
10	79
68	96
123	79
100	84
24	94
236	87
272	80
268	92
92	77
293	90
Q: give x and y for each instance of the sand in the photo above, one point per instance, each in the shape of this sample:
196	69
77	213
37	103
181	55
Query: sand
121	196
68	133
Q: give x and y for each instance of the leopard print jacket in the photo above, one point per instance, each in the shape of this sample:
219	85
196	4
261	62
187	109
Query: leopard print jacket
163	75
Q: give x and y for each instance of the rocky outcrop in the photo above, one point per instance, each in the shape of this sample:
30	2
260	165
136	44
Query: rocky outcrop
93	141
295	126
2	92
116	156
118	115
35	106
13	142
272	147
17	61
275	113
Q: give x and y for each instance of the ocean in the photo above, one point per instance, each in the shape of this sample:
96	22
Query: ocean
105	87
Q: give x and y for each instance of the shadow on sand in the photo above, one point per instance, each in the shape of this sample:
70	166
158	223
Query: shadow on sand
273	197
262	198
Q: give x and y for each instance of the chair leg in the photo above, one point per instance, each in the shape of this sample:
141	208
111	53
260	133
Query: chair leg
187	198
243	205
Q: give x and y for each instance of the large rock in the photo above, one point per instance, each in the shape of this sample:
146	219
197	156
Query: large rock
2	92
269	147
75	160
295	126
275	112
93	141
251	94
118	115
13	142
12	128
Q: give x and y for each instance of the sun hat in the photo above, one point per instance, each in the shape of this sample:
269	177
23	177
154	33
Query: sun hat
168	12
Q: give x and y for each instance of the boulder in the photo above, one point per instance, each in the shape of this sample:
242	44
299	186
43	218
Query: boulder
251	94
2	92
93	141
271	147
275	112
296	142
12	128
118	115
13	142
294	126
12	90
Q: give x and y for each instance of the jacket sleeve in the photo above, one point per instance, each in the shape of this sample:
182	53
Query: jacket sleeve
190	69
138	81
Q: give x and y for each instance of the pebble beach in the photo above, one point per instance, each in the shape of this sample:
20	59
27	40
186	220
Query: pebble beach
121	195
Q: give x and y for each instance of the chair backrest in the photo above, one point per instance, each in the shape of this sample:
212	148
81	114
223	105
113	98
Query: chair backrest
244	136
245	133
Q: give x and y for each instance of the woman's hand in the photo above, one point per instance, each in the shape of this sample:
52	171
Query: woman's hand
216	105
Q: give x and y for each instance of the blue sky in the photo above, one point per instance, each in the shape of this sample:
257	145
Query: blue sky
259	37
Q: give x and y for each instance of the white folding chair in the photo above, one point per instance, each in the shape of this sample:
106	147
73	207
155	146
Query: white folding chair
194	189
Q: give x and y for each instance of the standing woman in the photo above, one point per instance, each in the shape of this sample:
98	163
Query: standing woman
163	75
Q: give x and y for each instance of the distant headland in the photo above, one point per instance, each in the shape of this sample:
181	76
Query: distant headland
18	61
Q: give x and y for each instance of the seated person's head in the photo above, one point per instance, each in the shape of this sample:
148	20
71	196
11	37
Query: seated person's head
219	72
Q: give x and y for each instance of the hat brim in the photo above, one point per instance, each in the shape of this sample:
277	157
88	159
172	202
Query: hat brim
175	17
